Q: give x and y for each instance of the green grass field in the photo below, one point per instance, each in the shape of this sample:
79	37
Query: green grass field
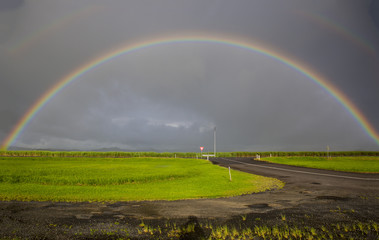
363	164
121	179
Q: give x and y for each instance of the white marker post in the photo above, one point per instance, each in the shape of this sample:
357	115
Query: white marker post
327	152
230	175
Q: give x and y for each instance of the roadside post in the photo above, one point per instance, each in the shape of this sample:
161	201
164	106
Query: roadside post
327	152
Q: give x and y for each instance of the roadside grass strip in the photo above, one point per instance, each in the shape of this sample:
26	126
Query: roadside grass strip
122	179
362	164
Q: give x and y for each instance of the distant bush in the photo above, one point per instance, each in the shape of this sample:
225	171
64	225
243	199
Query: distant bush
38	153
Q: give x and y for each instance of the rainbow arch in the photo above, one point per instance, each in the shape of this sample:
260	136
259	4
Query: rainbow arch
238	43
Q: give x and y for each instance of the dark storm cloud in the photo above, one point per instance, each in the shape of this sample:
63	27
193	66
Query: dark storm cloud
374	11
185	100
10	4
7	18
171	97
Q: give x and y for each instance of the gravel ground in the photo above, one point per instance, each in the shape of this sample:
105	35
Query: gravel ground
319	203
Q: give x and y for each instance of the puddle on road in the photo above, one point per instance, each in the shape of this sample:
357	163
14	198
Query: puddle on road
335	198
259	206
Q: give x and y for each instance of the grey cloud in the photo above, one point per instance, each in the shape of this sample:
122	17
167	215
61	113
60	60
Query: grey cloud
8	19
243	101
374	11
171	96
10	4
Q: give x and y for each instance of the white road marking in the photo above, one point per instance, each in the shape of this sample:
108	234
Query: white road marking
297	171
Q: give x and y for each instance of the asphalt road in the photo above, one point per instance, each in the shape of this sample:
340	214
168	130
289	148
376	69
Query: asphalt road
307	178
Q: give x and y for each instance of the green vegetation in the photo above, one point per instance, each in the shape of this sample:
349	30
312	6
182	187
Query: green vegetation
206	230
356	230
364	164
37	153
121	179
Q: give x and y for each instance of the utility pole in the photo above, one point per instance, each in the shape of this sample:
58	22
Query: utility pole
214	142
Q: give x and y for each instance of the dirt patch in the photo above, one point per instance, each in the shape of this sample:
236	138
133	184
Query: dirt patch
325	215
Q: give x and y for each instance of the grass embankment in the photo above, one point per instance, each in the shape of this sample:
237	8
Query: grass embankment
121	179
363	164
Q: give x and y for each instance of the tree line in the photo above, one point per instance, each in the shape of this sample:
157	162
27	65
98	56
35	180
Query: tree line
38	153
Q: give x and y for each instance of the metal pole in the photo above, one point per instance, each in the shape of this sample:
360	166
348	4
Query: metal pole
214	142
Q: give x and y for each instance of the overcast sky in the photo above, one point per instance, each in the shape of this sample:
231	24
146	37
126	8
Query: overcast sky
170	97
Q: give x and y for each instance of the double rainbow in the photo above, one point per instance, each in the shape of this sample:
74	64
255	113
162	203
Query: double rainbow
238	43
340	30
43	32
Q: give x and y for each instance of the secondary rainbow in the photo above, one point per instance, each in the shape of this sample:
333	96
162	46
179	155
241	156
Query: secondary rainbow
238	43
339	29
36	36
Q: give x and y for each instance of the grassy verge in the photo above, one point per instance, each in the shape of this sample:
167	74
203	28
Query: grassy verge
357	230
363	164
121	179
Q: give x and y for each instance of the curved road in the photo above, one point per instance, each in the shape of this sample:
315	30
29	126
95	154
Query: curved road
316	183
279	170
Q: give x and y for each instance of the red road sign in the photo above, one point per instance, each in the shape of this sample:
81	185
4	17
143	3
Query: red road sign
201	148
